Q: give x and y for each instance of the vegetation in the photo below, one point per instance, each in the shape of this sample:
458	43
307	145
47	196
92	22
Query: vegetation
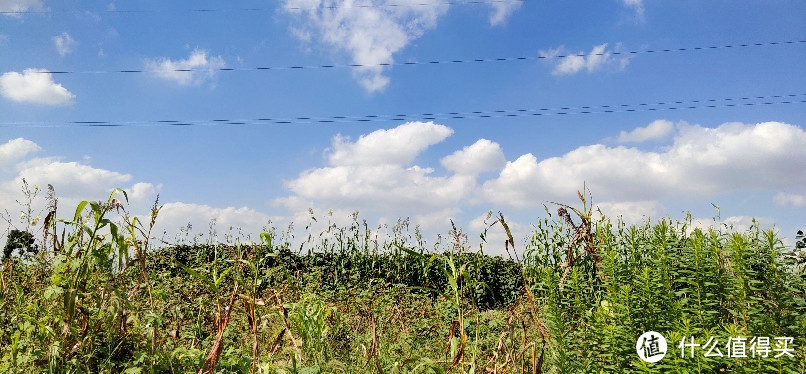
94	295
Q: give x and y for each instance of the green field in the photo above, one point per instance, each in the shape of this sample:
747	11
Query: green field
96	294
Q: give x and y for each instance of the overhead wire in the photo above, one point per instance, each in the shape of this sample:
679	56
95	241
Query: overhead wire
642	107
745	101
436	62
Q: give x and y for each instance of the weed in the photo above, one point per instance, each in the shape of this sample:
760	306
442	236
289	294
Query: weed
97	297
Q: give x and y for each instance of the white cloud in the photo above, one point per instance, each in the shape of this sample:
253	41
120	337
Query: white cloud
12	8
142	192
193	71
64	43
379	187
480	157
174	215
16	149
700	162
34	86
399	145
637	6
514	184
75	181
599	58
631	212
440	218
71	179
790	199
368	30
496	236
738	224
373	174
502	9
743	223
654	131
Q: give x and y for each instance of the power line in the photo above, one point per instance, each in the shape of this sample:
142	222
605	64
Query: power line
437	62
746	101
260	9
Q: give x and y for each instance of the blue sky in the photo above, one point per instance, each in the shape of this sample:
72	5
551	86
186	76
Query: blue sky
731	141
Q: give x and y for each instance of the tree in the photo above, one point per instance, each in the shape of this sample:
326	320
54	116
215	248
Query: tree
22	241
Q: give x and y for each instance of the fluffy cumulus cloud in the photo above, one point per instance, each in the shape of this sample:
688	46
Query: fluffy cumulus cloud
34	86
731	224
496	236
598	59
381	175
16	149
64	43
368	30
234	221
790	199
627	182
374	173
700	162
13	8
631	212
76	181
195	70
481	156
399	145
142	192
378	187
72	179
656	130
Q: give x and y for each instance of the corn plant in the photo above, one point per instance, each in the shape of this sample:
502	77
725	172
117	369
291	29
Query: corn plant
97	298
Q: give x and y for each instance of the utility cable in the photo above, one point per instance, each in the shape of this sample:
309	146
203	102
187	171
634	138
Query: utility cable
437	62
746	101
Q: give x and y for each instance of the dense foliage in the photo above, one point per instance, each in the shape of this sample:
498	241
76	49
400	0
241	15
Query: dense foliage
99	299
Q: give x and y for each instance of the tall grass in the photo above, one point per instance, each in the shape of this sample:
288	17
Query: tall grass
94	296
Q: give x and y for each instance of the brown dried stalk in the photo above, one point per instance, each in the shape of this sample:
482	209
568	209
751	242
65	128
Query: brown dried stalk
215	352
544	333
583	234
286	330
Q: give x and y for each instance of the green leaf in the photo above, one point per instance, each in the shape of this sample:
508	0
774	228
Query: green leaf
95	207
221	277
79	209
266	237
53	292
113	229
409	251
250	264
116	191
199	276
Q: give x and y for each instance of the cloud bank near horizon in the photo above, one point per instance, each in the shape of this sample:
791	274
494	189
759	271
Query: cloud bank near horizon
378	175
